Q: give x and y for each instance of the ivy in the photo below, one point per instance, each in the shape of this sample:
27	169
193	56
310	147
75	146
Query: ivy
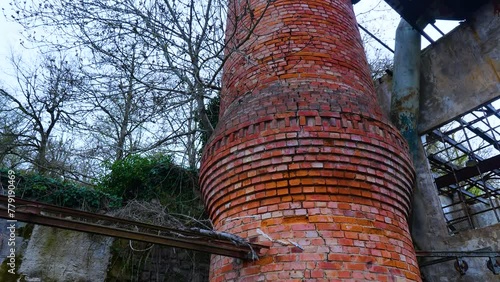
147	178
143	178
36	187
212	109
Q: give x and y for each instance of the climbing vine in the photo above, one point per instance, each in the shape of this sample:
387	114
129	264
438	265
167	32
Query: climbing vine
154	178
32	186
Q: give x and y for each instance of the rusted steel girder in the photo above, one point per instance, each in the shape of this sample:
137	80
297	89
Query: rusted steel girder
465	173
65	218
444	256
477	254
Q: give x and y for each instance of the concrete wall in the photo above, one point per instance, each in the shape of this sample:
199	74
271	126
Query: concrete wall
459	73
469	240
51	254
479	216
62	255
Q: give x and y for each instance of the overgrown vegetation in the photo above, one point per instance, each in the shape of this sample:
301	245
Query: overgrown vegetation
154	178
213	107
32	186
139	261
148	189
135	177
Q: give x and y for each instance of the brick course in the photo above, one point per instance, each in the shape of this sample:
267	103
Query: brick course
303	152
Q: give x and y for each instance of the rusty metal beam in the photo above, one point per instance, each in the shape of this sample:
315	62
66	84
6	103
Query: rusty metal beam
54	216
465	173
481	133
445	256
37	207
477	254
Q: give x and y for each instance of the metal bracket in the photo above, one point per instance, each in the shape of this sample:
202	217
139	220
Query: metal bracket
461	266
493	264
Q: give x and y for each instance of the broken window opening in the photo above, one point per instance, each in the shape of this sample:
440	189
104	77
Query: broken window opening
464	157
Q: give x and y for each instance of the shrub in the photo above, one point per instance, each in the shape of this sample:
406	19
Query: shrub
156	177
52	191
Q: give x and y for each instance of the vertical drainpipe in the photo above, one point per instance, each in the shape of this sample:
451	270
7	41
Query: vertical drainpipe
406	84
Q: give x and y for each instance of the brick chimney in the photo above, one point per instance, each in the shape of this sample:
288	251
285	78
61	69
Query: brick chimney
303	153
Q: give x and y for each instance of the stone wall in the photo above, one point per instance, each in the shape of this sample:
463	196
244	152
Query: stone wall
50	254
62	255
136	261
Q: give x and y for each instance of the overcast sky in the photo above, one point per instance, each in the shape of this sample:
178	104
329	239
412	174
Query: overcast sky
374	15
9	37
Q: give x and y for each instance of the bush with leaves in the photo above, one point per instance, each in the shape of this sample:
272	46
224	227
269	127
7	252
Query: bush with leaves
154	178
212	111
36	187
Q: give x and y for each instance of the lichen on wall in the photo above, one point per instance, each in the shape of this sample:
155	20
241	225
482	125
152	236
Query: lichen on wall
62	255
5	276
23	232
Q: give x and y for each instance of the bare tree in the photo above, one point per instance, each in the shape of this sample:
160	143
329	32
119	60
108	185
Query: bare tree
44	99
183	41
10	131
380	20
120	109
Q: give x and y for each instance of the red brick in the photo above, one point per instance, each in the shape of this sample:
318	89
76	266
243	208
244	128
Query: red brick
287	257
303	227
344	274
312	257
271	267
250	270
317	274
330	265
300	128
294	266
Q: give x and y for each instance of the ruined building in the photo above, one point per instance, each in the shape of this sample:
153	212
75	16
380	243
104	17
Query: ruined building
328	176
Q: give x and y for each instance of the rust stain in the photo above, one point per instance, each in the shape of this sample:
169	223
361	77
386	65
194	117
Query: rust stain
298	219
295	219
487	58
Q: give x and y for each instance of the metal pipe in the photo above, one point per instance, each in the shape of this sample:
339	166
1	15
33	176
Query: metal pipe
436	28
376	38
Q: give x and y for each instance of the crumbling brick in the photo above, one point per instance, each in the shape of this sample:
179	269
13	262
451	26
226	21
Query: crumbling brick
303	147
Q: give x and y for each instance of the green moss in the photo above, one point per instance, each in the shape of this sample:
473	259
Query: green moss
48	248
53	235
25	231
118	269
6	276
50	241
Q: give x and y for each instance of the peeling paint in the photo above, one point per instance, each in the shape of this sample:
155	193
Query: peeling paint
406	85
